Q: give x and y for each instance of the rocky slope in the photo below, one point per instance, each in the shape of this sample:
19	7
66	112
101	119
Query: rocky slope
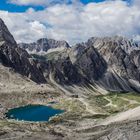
16	58
122	68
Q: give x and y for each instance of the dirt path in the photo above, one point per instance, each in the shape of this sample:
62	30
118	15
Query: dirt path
88	107
110	102
130	101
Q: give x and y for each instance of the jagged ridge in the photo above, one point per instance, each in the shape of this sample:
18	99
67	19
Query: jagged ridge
43	45
111	62
17	58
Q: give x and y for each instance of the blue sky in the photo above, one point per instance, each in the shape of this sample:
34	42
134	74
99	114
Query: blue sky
4	5
30	20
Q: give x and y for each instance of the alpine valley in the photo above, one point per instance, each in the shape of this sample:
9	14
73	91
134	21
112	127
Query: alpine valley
96	83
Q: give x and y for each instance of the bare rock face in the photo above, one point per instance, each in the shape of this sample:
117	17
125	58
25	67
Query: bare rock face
135	57
120	55
66	73
117	55
88	61
5	35
43	45
17	58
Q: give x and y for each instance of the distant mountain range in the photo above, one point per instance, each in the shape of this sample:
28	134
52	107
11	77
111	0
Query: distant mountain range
111	63
44	45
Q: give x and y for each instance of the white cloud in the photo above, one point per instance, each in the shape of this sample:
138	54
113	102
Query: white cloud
23	29
75	23
28	2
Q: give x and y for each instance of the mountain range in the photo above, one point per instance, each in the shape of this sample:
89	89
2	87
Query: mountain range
109	63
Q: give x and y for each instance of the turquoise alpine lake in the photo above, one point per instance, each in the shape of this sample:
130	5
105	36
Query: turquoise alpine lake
35	113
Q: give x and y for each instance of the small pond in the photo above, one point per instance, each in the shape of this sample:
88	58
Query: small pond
33	113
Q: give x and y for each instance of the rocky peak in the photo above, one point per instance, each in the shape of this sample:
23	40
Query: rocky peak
128	45
5	35
43	45
17	58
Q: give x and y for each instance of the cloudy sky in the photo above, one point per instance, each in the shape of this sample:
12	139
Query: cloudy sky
71	20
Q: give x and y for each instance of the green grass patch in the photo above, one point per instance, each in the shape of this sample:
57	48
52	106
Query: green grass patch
52	55
101	101
46	57
115	102
70	105
131	96
39	57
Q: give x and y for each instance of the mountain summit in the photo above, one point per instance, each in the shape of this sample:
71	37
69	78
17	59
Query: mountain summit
5	35
16	58
43	45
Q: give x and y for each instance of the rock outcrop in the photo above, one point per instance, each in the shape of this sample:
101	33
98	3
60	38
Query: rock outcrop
16	58
5	35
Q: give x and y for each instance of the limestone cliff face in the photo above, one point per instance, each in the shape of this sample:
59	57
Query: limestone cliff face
121	56
5	35
88	61
17	58
116	51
